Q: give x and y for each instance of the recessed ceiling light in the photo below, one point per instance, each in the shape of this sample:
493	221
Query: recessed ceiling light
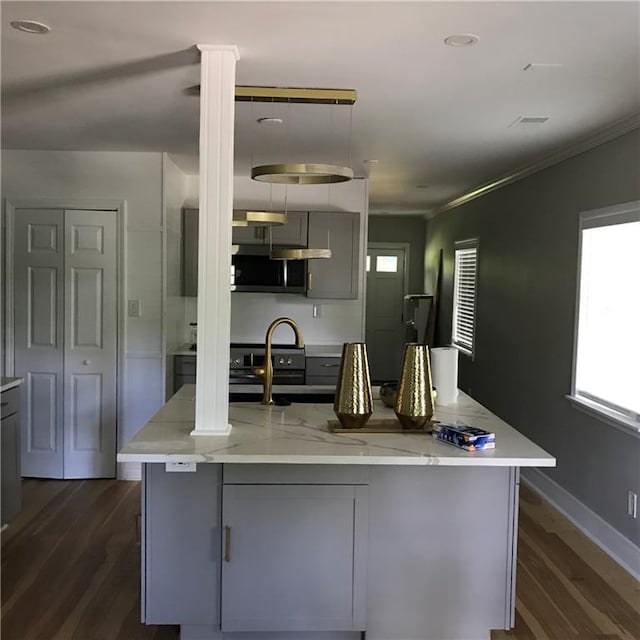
31	26
270	120
461	40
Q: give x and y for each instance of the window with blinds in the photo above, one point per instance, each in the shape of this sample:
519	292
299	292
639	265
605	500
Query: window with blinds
464	295
607	351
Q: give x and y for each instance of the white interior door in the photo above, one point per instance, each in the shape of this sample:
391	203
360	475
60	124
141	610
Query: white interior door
384	322
66	341
39	337
90	344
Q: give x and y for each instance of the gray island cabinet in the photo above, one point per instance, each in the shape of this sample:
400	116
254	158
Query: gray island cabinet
285	530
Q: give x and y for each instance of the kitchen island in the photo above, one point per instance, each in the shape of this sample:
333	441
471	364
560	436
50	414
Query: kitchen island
285	530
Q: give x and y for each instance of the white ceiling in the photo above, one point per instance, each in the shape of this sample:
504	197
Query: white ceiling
117	76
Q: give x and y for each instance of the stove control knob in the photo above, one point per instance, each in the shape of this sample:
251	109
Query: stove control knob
289	361
236	361
281	361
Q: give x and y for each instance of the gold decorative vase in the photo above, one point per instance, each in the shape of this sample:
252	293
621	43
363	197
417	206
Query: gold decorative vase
414	403
353	403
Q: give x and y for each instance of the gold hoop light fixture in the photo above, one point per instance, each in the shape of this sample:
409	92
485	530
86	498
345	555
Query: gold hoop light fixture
301	173
300	254
258	218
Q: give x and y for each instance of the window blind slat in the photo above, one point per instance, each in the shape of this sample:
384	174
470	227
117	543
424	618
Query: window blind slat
464	297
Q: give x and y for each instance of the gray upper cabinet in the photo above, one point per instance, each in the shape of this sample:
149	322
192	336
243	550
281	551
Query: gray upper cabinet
336	278
294	557
292	234
249	235
190	252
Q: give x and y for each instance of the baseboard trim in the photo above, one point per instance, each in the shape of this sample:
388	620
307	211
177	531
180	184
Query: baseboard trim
129	471
610	540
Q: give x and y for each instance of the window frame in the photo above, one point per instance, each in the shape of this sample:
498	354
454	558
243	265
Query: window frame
628	421
469	243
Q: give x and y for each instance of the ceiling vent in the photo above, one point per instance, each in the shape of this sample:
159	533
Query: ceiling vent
529	121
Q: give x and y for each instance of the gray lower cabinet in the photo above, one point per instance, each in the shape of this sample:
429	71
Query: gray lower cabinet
322	369
336	278
181	545
10	456
294	557
184	371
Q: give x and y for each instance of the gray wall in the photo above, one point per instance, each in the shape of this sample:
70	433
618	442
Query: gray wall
528	235
409	229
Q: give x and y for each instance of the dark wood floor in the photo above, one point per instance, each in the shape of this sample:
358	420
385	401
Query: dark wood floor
70	571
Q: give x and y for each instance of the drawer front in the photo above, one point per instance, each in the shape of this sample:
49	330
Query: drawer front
294	474
185	365
323	366
10	401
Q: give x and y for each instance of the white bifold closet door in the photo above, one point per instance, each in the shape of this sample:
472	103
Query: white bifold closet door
66	341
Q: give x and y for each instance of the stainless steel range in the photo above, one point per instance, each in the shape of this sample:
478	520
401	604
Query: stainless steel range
288	363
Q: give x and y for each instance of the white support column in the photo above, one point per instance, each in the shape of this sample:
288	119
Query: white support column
217	106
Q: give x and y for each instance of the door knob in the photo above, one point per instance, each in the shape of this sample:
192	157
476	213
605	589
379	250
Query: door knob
85	362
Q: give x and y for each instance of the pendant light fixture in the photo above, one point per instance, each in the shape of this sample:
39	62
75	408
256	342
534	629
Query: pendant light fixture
265	218
302	172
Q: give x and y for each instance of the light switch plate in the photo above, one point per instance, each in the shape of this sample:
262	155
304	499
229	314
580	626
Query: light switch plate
133	308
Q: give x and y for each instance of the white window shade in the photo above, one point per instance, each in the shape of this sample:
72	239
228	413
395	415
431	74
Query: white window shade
464	295
607	353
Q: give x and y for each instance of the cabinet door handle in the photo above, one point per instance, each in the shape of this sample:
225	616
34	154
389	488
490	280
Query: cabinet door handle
227	544
331	364
309	281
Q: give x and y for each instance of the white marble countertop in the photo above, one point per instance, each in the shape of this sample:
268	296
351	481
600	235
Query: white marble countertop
298	434
184	350
10	383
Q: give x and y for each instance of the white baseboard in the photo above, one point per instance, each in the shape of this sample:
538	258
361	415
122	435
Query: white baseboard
610	540
129	471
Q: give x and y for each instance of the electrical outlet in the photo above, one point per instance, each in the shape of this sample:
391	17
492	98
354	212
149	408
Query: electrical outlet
180	467
133	309
632	504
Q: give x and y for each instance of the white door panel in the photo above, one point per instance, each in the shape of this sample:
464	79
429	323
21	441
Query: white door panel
66	340
39	337
90	344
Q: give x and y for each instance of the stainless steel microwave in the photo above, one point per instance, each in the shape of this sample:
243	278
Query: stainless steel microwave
253	270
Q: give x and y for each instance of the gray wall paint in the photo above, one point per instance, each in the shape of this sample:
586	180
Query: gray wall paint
528	235
409	229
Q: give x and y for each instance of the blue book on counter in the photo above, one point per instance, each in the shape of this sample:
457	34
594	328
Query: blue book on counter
464	436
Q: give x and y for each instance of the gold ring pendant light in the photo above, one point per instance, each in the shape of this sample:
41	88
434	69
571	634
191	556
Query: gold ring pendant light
302	173
299	173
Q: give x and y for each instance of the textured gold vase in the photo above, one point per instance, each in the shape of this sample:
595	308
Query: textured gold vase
353	403
414	404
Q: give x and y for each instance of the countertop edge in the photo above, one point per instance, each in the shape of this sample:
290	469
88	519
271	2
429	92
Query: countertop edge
407	461
14	382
